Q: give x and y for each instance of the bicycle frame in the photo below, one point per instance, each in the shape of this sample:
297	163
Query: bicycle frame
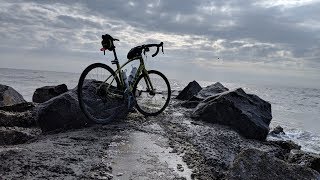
141	70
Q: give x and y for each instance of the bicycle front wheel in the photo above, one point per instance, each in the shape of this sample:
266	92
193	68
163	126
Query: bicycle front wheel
152	101
97	97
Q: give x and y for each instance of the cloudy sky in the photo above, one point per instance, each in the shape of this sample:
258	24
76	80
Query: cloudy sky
258	41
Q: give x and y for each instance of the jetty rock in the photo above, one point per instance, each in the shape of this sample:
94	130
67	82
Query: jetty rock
45	93
9	96
211	90
256	164
21	115
189	91
63	111
208	91
246	113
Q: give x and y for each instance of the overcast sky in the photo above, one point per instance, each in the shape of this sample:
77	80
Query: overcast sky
262	41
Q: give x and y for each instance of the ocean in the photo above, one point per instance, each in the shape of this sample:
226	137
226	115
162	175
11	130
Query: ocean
296	109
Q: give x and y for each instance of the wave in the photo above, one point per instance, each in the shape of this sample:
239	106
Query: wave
308	141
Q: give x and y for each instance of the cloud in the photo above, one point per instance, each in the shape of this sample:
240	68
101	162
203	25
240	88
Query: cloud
270	34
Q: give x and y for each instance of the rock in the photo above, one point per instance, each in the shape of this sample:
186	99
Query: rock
45	93
21	119
196	99
21	107
63	111
308	159
21	115
212	90
16	135
246	113
287	145
190	104
277	130
256	164
190	90
180	167
9	96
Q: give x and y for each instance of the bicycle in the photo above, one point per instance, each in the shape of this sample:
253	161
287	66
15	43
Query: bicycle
105	94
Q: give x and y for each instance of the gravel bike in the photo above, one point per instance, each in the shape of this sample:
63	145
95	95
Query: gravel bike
104	94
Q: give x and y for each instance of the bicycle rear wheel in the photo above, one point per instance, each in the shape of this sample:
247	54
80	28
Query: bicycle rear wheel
96	98
151	102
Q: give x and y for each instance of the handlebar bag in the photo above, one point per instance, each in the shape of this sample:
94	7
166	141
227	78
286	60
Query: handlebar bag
134	52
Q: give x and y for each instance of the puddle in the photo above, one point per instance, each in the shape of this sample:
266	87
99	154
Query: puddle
142	155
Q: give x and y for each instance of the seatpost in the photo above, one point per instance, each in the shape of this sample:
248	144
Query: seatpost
115	61
115	54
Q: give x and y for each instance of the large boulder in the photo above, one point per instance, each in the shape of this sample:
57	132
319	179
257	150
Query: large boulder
45	93
212	90
63	111
208	91
246	113
190	90
256	164
9	96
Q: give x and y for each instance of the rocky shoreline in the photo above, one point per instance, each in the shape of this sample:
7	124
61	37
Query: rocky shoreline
178	144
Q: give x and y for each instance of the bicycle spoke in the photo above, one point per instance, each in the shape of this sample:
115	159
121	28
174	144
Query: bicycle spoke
97	97
152	102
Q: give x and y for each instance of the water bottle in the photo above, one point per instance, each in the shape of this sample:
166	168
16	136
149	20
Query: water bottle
132	74
125	79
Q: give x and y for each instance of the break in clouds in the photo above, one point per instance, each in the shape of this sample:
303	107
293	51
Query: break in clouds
283	34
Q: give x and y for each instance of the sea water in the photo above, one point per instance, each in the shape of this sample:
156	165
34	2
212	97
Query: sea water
296	109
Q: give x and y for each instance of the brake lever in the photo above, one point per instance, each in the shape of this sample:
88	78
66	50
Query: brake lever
162	49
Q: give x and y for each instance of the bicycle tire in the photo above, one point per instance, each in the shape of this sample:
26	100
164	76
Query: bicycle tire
81	95
135	92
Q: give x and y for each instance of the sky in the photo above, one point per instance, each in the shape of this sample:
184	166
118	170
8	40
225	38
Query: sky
247	41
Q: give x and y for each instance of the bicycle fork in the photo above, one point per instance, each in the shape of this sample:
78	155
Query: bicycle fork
148	82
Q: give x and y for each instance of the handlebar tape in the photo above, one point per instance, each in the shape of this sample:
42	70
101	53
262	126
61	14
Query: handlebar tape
153	55
158	45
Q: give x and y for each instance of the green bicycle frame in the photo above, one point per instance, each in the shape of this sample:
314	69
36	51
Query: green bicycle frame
140	70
